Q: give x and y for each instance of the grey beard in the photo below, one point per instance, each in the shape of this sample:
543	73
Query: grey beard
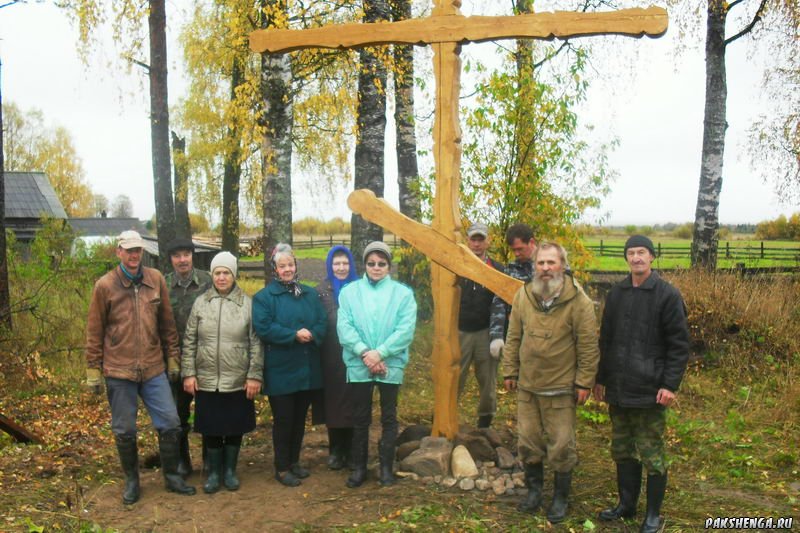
547	289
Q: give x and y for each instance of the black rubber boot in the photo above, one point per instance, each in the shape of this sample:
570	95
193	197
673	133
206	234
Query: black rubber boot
169	448
386	452
359	454
336	460
185	462
129	457
230	460
215	460
629	485
485	421
656	487
561	485
534	479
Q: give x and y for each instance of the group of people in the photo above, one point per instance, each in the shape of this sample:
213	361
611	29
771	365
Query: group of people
196	336
328	348
551	356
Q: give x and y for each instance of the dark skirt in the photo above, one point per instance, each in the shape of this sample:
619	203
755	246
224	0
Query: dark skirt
224	413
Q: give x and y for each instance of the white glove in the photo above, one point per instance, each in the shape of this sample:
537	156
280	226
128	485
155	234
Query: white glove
496	348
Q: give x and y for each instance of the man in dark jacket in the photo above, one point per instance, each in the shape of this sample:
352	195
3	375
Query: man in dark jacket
644	347
185	284
129	328
520	239
473	330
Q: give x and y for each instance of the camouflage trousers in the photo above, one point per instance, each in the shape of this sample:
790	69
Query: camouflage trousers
638	434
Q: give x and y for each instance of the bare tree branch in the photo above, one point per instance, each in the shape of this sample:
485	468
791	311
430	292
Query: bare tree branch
747	29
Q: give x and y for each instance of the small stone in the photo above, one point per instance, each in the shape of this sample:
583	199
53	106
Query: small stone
428	480
518	475
519	482
498	486
504	458
482	484
407	475
437	479
466	484
449	481
489	464
510	483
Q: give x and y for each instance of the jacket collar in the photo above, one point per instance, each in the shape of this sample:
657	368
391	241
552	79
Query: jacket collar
370	283
649	283
236	295
276	287
148	277
174	278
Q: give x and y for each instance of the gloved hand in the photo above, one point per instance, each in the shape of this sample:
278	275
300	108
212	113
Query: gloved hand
173	370
94	380
496	348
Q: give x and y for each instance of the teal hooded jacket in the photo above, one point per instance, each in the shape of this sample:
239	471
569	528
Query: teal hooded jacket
378	316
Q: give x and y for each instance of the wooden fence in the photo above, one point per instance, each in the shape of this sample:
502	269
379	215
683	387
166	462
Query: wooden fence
726	251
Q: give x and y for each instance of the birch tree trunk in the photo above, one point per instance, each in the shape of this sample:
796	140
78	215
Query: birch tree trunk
232	170
276	149
371	130
159	129
5	296
706	218
183	227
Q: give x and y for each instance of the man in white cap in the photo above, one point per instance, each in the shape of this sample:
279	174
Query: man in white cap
129	328
473	330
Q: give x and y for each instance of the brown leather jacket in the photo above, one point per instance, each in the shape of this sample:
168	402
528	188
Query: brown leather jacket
130	329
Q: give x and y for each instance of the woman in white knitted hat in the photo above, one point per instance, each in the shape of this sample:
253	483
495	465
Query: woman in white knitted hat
222	365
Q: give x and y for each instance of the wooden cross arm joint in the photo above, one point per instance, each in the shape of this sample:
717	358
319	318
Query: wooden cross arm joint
634	22
453	256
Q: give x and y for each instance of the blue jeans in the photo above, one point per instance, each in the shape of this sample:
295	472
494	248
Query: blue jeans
157	397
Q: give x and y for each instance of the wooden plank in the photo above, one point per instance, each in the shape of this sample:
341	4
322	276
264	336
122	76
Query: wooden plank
17	432
634	22
455	257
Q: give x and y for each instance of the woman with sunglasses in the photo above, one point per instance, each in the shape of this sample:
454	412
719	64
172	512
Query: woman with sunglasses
290	320
341	268
376	322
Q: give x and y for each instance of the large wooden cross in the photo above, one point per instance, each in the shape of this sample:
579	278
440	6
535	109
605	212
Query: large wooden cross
446	30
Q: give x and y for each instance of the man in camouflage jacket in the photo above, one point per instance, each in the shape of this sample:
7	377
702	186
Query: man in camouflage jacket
185	284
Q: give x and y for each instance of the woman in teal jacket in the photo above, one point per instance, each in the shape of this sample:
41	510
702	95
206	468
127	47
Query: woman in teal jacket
291	322
377	318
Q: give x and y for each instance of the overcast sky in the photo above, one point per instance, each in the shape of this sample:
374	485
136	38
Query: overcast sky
656	114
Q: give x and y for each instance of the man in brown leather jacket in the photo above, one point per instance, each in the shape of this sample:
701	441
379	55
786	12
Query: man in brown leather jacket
129	329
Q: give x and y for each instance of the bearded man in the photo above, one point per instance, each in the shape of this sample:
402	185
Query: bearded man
550	359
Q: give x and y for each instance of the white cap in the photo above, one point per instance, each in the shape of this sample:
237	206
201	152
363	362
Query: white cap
130	239
226	260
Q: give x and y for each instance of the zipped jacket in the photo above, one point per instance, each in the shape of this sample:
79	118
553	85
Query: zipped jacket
550	351
220	347
644	342
130	327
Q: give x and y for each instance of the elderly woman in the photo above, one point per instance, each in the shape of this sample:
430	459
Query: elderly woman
341	269
222	365
376	322
290	320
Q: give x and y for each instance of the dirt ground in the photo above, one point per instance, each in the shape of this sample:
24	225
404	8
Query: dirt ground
322	502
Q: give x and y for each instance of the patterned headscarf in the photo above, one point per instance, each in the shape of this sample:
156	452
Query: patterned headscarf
293	286
337	283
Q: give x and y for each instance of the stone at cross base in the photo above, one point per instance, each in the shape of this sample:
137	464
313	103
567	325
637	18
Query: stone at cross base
446	30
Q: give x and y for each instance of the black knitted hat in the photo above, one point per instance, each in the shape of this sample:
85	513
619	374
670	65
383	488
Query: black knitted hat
635	241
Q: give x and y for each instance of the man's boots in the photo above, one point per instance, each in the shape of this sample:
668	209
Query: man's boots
484	421
386	451
629	485
336	456
534	479
230	460
129	457
185	462
169	447
359	453
558	509
656	486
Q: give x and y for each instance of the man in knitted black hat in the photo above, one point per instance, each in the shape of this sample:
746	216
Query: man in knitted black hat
644	347
185	284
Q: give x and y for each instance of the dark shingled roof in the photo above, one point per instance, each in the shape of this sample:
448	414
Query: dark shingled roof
106	227
30	195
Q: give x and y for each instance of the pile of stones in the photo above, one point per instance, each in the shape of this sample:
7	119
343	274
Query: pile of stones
476	459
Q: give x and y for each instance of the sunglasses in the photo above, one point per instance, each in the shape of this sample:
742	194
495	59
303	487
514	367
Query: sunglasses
380	264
